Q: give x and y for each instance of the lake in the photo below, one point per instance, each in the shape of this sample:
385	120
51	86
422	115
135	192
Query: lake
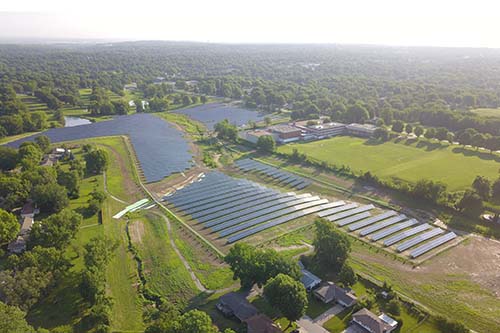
211	114
160	148
75	121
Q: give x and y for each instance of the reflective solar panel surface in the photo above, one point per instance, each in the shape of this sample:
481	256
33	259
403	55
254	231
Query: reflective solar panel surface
405	234
160	148
339	216
372	220
354	218
419	239
393	229
337	210
432	244
383	224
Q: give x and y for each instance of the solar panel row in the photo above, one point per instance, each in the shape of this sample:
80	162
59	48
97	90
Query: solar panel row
337	209
419	239
393	229
383	224
433	244
342	215
213	192
372	220
268	217
262	212
355	218
405	234
281	176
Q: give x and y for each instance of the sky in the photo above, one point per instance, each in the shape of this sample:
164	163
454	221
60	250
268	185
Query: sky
387	22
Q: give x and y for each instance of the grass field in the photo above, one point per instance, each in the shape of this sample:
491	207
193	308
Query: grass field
452	165
487	113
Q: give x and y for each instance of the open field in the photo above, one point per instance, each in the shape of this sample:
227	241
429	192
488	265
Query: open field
453	165
487	113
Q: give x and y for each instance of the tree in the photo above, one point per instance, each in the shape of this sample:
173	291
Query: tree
43	142
268	121
441	134
8	158
381	134
482	186
419	130
56	230
225	130
357	113
287	295
12	320
429	190
347	275
471	204
9	227
29	155
23	288
70	180
495	190
266	143
96	161
253	266
332	247
95	201
478	140
430	133
50	197
194	321
408	128
393	307
398	126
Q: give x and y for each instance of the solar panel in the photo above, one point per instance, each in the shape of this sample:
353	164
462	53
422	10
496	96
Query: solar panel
393	229
356	217
250	196
405	234
213	195
381	225
290	180
296	182
372	220
419	239
199	186
337	210
274	173
284	176
433	244
212	187
342	215
235	212
303	185
262	213
268	217
222	198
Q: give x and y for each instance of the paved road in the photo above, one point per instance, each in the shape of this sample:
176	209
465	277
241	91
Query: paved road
311	327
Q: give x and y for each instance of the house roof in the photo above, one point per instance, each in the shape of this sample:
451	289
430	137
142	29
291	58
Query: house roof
308	279
370	320
26	224
28	208
331	291
261	324
239	305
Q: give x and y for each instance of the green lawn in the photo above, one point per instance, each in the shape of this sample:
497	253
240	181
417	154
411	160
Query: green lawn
487	112
453	165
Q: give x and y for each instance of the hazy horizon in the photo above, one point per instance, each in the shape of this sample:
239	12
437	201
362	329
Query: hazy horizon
388	22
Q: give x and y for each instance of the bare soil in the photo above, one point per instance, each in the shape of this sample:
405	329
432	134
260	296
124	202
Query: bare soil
136	231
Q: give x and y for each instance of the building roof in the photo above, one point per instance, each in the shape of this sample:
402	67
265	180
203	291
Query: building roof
361	126
26	224
258	133
239	305
388	320
28	208
284	129
261	324
370	320
331	291
308	279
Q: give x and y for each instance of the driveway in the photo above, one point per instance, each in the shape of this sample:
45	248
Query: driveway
328	314
311	327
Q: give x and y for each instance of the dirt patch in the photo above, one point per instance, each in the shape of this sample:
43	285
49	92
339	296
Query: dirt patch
136	231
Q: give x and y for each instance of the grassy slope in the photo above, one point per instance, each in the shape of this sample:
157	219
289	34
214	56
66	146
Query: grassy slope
451	165
487	112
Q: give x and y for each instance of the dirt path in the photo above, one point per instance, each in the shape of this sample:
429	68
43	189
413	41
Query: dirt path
109	193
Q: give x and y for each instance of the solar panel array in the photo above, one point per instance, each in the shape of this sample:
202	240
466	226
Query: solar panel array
237	208
234	209
282	177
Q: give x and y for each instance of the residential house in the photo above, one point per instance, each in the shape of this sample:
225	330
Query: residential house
330	292
308	279
261	324
373	324
236	304
28	213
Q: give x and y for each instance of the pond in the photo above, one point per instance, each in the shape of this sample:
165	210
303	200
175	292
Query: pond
160	148
75	121
211	114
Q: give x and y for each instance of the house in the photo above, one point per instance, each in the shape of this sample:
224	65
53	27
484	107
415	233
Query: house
308	279
49	160
362	130
236	304
19	245
286	133
371	323
330	292
29	210
261	324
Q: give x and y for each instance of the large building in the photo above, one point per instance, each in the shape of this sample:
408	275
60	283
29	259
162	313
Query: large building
363	130
320	131
286	133
253	135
